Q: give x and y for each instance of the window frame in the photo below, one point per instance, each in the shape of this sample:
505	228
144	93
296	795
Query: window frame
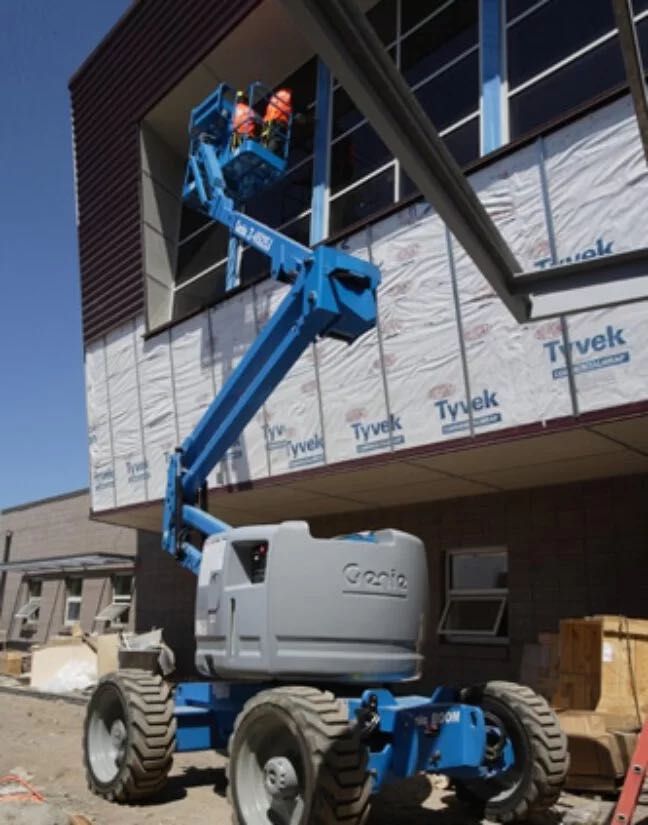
454	595
120	603
512	91
29	612
72	599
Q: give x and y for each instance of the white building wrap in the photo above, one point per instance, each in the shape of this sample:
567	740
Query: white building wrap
445	360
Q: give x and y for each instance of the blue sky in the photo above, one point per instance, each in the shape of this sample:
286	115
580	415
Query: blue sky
43	438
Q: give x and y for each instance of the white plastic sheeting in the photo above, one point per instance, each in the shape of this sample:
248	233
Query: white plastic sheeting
445	360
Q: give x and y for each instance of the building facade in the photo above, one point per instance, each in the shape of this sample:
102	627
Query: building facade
449	420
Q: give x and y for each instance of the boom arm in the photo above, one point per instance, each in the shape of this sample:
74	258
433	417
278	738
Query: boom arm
332	294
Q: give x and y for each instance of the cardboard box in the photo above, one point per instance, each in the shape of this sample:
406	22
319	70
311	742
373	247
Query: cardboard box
11	663
107	653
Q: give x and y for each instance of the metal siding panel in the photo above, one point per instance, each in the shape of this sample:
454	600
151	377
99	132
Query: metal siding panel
156	44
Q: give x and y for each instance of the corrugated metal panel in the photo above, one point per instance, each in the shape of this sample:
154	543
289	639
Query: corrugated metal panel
156	44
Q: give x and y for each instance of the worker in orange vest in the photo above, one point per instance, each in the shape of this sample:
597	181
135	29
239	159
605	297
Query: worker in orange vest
276	119
244	124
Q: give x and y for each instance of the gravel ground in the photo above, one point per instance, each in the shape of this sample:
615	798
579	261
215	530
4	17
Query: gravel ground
41	740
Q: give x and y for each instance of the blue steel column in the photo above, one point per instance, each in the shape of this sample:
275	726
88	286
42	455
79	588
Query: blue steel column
491	73
321	159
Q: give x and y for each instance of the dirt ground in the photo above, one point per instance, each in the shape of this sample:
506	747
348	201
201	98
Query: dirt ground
41	740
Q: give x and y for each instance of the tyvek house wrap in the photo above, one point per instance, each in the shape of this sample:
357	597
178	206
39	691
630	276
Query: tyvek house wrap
598	189
444	358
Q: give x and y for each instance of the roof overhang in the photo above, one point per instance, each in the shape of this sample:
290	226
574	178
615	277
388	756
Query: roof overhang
88	562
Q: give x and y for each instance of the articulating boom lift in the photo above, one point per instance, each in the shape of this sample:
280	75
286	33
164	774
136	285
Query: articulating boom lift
301	637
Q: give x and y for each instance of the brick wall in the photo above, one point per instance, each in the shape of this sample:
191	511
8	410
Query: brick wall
165	598
574	550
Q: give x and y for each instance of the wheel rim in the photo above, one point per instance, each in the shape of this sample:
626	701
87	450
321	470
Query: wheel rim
270	772
498	735
107	736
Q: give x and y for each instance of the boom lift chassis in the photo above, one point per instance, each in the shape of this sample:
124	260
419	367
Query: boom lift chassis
300	753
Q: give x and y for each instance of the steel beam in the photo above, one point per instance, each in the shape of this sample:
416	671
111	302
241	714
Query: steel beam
597	282
623	13
344	38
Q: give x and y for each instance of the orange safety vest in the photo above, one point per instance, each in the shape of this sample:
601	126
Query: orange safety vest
243	122
279	107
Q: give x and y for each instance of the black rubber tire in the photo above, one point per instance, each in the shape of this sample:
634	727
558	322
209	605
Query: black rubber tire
147	712
540	746
334	759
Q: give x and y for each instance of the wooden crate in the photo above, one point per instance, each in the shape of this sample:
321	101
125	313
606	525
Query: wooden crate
604	666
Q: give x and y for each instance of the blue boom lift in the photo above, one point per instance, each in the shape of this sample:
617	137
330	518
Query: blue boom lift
301	638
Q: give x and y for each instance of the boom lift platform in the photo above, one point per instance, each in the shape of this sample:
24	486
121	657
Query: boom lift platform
301	639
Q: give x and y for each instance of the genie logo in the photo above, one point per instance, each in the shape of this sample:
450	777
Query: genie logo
307	452
600	248
358	579
378	435
611	341
455	415
137	471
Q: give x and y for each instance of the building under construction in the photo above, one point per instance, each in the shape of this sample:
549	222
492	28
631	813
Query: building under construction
518	453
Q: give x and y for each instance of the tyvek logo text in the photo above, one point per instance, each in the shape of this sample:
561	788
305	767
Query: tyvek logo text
103	479
306	452
137	471
600	248
455	415
378	435
611	342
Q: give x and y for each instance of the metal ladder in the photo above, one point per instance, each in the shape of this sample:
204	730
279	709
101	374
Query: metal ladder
633	782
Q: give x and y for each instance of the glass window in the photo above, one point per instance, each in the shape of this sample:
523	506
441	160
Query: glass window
302	136
362	201
642	37
413	11
29	612
383	18
255	266
202	292
119	610
453	94
444	37
592	74
302	83
191	221
356	155
476	595
474	616
73	588
552	33
478	570
463	144
639	6
289	197
516	7
345	114
201	251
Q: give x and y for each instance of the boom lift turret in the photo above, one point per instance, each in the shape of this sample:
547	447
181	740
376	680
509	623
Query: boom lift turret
282	617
